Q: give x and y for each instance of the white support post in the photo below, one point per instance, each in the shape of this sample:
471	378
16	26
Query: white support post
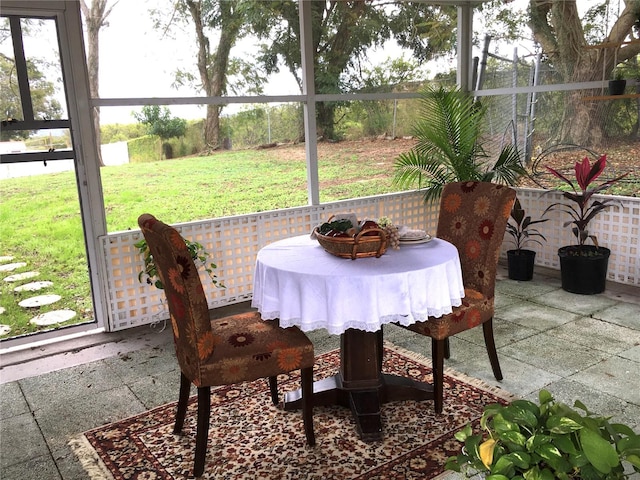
76	81
464	77
309	91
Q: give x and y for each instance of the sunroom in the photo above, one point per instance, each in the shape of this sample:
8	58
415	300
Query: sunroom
522	92
119	300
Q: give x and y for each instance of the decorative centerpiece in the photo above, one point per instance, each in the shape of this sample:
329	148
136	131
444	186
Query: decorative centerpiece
342	238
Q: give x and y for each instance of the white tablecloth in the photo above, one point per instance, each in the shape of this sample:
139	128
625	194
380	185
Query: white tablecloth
298	282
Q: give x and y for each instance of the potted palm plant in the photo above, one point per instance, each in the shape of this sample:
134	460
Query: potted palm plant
449	147
523	440
583	268
520	260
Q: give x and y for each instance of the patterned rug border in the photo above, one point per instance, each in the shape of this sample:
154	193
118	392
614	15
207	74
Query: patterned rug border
95	467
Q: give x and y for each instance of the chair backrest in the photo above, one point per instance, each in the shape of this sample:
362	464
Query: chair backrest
185	296
473	216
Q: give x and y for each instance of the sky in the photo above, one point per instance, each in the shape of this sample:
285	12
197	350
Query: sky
137	61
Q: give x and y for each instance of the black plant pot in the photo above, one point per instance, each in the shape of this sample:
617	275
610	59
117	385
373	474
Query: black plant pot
583	269
520	264
616	87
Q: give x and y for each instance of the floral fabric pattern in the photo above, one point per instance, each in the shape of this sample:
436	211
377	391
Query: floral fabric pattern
473	217
213	352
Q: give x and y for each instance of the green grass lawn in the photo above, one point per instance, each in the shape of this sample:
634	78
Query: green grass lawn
40	215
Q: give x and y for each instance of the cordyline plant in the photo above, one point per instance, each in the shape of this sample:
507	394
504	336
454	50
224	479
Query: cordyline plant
525	441
519	227
585	209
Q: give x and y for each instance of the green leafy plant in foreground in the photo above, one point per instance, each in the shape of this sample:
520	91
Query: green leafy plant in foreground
198	254
522	440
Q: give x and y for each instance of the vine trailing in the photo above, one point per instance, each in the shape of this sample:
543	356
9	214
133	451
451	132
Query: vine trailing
198	254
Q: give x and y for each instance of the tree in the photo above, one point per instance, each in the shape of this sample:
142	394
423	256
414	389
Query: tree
375	116
95	18
45	106
557	27
159	122
343	32
227	20
578	49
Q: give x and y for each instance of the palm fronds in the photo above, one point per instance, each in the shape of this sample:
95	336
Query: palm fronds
448	147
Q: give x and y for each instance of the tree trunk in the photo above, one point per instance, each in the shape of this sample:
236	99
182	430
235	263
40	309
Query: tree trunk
213	68
95	18
325	116
557	27
212	128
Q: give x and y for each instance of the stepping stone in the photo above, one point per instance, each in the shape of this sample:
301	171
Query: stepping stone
33	286
21	276
39	301
4	329
5	258
2	310
10	267
50	318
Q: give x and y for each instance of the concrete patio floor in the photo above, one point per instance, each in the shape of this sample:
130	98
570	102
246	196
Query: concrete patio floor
578	347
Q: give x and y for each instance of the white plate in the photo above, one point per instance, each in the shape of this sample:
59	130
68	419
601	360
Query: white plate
416	241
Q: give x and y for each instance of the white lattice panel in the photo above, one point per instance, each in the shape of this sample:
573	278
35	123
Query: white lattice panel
616	228
233	243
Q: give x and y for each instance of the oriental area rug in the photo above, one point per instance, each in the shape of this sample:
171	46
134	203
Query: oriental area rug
250	438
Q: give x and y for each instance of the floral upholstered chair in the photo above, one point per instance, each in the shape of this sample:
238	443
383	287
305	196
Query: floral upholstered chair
221	351
473	216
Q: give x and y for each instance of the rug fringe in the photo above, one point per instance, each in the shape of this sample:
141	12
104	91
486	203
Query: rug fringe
89	459
476	382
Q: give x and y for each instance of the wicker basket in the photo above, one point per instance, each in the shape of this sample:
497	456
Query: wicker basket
360	246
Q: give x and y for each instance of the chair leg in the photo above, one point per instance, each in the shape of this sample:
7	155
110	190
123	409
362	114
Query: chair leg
185	388
447	348
438	348
202	432
273	387
487	330
307	404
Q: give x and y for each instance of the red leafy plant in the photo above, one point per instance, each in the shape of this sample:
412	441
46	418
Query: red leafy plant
585	208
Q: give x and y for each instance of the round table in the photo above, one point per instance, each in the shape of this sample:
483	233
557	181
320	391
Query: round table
296	281
300	284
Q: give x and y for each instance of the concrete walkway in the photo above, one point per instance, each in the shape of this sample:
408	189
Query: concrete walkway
578	347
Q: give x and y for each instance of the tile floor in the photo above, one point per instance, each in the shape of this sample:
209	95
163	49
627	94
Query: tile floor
585	347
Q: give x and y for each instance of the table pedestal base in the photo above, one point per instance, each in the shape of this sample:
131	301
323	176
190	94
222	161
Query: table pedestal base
361	386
